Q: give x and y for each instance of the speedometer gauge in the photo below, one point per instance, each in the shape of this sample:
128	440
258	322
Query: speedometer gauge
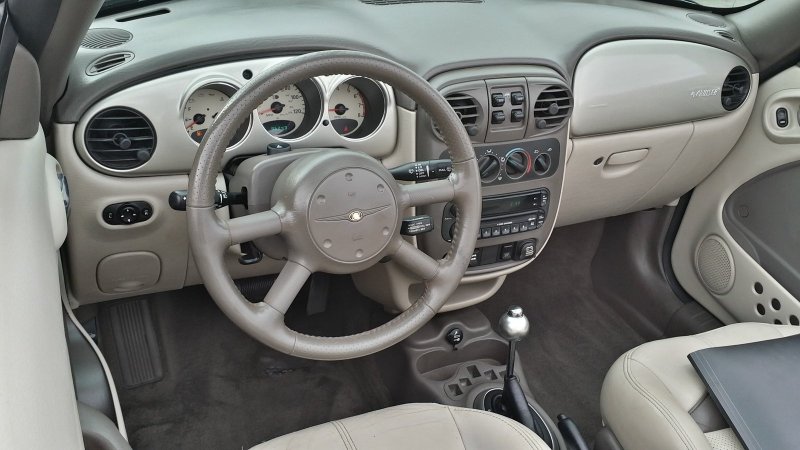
347	109
283	112
202	108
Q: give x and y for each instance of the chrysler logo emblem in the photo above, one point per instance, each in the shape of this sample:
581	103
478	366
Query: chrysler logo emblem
355	216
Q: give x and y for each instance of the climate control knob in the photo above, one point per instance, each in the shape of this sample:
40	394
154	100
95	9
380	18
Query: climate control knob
517	163
489	167
541	165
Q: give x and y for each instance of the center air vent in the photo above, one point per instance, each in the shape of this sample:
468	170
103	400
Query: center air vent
735	88
467	109
120	138
552	107
108	62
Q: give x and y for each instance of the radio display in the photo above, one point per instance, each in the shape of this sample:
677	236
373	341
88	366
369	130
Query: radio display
513	204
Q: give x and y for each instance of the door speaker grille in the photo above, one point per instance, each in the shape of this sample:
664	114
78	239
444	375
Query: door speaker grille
714	264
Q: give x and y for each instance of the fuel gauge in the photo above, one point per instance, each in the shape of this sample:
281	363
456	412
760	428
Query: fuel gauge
202	108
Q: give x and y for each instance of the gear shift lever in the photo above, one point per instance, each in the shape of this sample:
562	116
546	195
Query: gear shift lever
514	326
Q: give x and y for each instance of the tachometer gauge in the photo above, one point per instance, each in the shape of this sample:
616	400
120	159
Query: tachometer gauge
347	109
202	108
283	112
356	107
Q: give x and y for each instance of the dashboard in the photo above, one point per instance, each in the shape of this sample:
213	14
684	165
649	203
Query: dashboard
174	112
570	121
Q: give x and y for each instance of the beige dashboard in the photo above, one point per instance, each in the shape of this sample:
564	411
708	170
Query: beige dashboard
642	159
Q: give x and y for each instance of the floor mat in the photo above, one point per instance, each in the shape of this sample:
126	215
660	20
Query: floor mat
575	337
223	390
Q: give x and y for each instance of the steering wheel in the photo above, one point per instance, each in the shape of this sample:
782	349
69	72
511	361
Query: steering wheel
339	212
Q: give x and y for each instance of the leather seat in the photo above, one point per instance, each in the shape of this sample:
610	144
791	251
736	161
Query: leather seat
653	399
417	426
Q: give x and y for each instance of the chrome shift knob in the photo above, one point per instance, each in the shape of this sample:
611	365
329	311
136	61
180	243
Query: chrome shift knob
513	324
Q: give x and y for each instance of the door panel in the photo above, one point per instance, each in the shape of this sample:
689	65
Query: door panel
732	277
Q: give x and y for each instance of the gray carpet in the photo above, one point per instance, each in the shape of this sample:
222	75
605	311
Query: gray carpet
575	336
223	390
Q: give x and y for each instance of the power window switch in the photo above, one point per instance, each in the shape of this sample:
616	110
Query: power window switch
498	100
517	98
782	117
506	252
498	117
475	259
517	115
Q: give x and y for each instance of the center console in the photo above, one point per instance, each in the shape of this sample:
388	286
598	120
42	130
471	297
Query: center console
458	359
516	117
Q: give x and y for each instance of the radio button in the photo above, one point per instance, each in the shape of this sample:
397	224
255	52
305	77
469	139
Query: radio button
514	228
486	233
506	229
523	227
495	231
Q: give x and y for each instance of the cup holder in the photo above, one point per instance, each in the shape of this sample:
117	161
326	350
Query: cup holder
443	364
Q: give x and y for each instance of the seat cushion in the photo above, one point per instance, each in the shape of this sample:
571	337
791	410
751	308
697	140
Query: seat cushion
653	399
417	426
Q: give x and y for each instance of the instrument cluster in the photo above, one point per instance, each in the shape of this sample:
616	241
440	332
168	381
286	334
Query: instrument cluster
353	107
175	111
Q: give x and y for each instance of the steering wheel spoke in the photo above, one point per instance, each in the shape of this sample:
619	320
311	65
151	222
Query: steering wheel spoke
416	261
427	193
253	226
286	287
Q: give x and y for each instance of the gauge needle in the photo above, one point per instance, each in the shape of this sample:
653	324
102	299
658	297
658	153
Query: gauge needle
191	124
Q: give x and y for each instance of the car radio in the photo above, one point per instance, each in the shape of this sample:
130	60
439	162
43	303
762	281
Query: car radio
504	215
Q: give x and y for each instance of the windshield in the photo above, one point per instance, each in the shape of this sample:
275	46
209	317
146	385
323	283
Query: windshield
117	6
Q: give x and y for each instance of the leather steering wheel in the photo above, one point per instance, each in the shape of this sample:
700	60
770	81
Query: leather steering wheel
339	212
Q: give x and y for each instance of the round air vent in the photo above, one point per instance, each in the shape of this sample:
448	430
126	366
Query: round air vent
735	88
120	138
108	62
552	107
467	109
105	38
714	264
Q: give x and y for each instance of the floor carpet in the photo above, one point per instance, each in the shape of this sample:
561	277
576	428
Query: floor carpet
223	390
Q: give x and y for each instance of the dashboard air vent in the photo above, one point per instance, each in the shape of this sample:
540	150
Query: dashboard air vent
735	88
467	110
726	35
552	107
108	62
120	138
105	38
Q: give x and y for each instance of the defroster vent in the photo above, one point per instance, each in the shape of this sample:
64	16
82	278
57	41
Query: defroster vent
120	138
552	107
735	88
108	62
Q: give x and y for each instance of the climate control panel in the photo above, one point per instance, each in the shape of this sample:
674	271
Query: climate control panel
507	163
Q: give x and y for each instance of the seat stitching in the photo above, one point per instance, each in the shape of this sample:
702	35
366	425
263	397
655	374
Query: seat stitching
661	408
455	422
346	438
511	424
